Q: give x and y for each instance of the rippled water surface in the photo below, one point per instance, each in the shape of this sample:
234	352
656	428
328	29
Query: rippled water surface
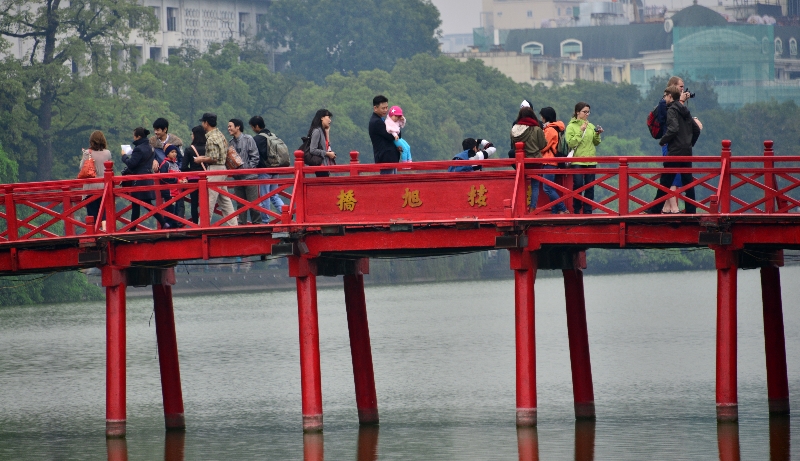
444	370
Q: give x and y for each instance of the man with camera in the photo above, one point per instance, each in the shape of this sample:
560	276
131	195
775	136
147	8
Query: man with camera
682	131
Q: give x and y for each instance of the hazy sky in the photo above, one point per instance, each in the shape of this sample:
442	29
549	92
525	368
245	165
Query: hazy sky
459	16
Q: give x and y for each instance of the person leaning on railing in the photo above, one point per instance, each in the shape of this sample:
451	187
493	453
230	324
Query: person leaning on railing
214	159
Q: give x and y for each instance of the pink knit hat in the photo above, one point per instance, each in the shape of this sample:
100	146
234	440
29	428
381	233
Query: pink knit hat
396	110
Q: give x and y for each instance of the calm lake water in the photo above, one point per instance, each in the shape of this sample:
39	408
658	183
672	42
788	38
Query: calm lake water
444	370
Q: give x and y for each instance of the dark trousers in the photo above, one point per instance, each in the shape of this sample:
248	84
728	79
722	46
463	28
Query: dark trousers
136	212
194	201
686	178
93	208
178	209
578	181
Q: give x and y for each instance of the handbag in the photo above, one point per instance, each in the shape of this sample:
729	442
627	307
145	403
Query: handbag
232	160
88	170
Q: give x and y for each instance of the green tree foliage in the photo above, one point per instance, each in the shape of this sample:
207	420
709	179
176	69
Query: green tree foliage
8	168
59	287
327	36
82	32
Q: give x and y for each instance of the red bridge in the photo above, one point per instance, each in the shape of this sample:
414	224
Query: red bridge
748	212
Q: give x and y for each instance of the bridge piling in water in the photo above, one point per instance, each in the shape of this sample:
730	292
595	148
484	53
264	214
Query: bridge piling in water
360	348
168	351
774	340
577	331
524	264
727	398
304	271
115	283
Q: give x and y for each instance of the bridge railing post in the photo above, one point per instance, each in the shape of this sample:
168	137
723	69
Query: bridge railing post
11	213
203	206
108	193
725	178
520	205
623	187
297	190
353	163
769	178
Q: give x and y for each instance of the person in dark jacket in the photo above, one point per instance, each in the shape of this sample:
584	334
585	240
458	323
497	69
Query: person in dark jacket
681	134
140	161
383	147
320	145
195	150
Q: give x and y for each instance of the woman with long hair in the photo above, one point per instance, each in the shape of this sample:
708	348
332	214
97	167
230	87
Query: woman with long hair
195	151
98	153
320	145
582	137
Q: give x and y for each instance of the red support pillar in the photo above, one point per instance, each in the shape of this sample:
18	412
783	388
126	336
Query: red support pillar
774	341
360	349
582	386
727	400
304	271
168	353
524	265
528	443
114	281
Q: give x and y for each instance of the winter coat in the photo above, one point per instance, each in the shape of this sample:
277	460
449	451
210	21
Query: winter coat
383	148
551	131
140	161
583	143
681	132
158	147
319	145
532	137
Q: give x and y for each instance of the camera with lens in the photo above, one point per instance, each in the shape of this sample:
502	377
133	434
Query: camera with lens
598	128
686	90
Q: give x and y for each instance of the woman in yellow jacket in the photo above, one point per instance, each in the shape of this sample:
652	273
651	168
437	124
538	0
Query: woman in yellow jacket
582	136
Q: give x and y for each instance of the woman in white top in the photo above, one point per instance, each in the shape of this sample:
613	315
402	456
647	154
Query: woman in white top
99	153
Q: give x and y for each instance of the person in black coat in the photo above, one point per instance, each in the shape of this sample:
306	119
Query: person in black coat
680	136
140	161
196	149
383	147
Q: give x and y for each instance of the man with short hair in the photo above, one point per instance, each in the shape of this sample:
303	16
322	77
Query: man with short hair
259	128
245	146
216	153
470	147
383	147
160	141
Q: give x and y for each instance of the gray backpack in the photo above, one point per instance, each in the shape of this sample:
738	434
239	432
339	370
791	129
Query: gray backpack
277	152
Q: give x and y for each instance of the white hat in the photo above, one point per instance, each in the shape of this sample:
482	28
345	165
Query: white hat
525	103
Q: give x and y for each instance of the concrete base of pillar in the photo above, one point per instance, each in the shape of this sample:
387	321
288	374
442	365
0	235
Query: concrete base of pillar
115	429
312	423
727	413
175	422
526	417
368	417
585	410
779	406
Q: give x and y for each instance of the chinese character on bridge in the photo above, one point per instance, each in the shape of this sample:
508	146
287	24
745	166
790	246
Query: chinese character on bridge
411	198
347	201
477	197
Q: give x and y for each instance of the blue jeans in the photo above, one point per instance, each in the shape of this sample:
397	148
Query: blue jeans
578	181
264	189
552	194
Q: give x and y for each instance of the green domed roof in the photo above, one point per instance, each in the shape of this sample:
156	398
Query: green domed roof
697	16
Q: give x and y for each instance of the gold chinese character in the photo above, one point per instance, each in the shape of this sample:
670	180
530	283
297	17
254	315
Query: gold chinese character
477	197
347	201
411	198
528	193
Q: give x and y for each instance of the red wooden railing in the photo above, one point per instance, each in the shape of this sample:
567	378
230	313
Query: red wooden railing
422	193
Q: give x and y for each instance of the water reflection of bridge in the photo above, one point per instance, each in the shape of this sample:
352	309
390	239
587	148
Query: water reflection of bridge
747	213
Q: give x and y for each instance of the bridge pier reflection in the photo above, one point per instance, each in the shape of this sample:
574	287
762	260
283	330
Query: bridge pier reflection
528	443
779	438
367	443
728	441
313	446
584	440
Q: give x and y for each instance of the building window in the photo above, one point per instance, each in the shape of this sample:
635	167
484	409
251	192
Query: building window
530	13
244	20
571	48
533	48
765	48
172	19
559	11
569	11
155	53
157	14
792	47
778	46
261	23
